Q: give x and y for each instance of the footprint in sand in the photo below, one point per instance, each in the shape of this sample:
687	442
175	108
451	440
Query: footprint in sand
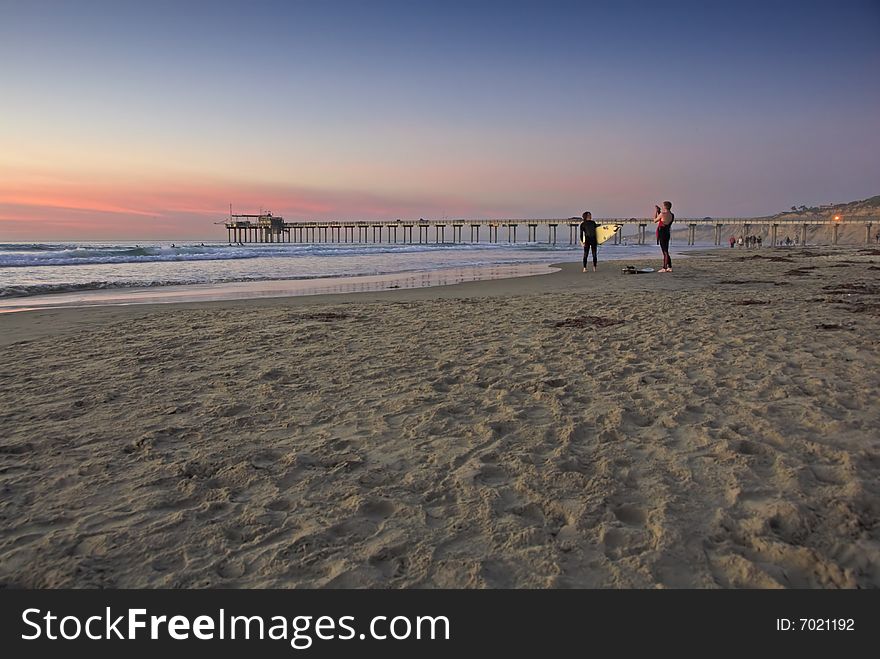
500	429
391	560
264	459
490	474
231	569
506	500
612	541
788	522
16	449
213	510
575	465
377	509
272	374
278	505
746	447
829	474
167	563
619	543
233	410
690	413
201	469
531	513
609	436
631	515
338	444
633	418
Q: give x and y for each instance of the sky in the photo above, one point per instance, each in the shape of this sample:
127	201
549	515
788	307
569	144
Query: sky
138	120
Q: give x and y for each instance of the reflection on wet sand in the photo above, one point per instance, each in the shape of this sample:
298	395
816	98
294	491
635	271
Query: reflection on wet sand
281	288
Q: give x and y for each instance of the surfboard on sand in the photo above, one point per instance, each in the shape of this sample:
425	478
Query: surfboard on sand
632	270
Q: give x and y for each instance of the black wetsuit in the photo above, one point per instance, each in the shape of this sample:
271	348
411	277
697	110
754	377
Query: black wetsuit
664	233
588	237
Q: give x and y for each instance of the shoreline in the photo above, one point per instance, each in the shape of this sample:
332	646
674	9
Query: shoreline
268	288
544	278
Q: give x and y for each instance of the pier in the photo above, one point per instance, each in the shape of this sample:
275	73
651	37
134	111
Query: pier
268	228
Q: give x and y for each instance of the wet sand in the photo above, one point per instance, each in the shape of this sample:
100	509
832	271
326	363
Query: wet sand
247	290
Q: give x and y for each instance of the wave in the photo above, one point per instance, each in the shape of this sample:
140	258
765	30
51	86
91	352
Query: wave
35	255
26	290
42	255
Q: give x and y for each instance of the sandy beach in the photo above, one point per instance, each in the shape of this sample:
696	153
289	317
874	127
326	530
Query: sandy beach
716	427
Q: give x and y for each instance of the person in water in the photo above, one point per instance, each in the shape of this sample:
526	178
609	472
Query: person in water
589	239
664	234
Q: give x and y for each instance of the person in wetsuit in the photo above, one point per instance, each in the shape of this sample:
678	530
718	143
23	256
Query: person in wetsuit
664	233
589	239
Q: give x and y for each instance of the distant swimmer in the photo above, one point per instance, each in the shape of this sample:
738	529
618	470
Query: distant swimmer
589	239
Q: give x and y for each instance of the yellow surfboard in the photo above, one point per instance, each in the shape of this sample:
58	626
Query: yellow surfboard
605	231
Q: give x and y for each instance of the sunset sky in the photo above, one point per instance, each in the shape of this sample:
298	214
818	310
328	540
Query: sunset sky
146	119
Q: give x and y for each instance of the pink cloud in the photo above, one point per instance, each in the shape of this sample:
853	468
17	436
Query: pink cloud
67	203
57	208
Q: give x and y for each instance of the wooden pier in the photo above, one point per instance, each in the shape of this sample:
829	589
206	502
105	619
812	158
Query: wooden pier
268	228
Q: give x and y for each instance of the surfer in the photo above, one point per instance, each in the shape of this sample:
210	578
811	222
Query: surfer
664	233
589	239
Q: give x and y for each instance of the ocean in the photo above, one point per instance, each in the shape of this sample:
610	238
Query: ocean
40	270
